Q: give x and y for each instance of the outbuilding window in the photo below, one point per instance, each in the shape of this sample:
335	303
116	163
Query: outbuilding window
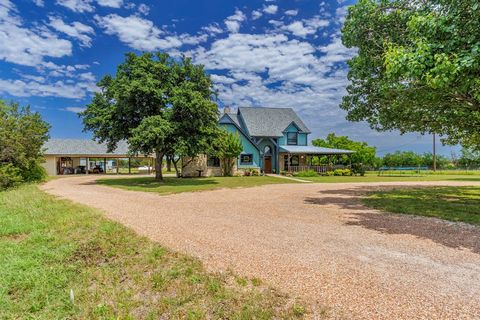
292	138
246	159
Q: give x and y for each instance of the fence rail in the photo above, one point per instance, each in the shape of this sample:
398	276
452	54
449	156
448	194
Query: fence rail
317	169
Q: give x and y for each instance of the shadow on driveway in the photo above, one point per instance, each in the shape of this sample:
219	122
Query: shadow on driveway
450	234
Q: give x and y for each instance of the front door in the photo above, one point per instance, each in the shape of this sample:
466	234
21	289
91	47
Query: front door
268	164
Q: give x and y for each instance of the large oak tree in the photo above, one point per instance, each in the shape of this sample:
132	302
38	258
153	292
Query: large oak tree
161	105
417	67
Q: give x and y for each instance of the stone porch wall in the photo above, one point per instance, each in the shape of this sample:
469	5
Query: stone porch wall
200	163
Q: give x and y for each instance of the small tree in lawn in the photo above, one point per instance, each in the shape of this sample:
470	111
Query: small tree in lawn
150	98
227	148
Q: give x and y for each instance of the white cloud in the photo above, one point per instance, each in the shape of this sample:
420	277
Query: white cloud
234	21
303	28
256	14
110	3
143	9
291	12
20	88
212	29
75	30
26	46
77	5
271	9
136	32
75	109
39	3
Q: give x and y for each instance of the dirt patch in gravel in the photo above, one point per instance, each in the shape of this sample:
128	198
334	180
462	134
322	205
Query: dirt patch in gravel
315	241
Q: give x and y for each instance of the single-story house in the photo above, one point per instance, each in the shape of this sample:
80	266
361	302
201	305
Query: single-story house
75	156
273	140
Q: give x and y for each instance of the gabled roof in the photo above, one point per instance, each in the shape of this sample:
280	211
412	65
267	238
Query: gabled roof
82	147
270	122
313	150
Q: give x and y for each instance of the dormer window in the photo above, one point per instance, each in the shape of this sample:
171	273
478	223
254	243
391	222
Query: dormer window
292	138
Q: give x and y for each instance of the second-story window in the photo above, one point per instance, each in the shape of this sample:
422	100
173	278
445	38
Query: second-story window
292	138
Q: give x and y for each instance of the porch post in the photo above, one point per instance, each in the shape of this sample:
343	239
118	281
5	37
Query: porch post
88	165
288	163
117	162
105	165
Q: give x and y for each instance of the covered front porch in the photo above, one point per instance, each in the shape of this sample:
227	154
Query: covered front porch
304	158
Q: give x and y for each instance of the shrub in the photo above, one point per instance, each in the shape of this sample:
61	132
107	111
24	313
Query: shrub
347	172
338	172
330	173
9	176
308	173
34	172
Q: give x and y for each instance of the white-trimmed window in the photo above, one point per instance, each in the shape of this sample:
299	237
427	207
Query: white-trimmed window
292	138
246	159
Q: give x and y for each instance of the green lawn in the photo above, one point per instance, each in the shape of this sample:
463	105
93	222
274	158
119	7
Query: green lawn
376	178
449	203
177	185
49	247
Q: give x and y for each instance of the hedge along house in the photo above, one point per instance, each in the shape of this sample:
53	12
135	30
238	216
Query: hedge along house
77	156
273	139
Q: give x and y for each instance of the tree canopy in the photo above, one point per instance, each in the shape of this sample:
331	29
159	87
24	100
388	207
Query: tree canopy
364	154
417	67
22	136
159	104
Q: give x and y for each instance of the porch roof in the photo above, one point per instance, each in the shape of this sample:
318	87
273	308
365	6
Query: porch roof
82	147
313	150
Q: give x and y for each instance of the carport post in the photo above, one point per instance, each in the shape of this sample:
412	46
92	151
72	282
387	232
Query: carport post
129	166
88	164
117	162
105	165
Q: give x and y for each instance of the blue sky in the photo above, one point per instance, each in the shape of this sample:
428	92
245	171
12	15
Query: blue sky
260	53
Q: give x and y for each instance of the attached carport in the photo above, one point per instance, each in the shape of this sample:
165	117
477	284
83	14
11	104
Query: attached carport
79	156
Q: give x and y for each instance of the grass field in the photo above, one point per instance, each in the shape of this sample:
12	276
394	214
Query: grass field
449	203
177	185
65	261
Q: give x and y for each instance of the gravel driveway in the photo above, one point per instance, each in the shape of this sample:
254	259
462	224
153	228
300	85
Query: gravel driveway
312	240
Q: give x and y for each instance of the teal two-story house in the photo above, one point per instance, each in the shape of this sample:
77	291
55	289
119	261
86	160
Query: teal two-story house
273	139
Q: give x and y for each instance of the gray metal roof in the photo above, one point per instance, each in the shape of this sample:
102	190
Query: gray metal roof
313	150
270	122
82	147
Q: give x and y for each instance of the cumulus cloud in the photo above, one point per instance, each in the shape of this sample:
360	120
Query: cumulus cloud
75	109
234	21
77	5
143	9
303	28
136	32
110	3
291	12
25	46
75	30
271	9
20	88
39	3
256	14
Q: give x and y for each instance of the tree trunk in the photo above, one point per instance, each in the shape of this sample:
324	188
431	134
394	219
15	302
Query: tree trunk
158	165
175	162
169	163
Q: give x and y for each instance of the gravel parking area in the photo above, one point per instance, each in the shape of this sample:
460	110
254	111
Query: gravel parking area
315	241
